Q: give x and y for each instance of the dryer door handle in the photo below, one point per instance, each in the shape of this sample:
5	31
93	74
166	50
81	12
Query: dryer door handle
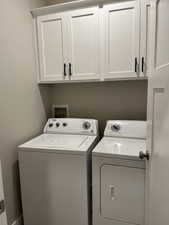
112	192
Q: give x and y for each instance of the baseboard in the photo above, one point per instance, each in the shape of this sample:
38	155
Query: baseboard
18	221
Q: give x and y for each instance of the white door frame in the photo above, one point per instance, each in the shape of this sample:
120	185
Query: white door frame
158	117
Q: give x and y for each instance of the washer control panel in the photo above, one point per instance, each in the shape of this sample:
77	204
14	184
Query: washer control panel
72	126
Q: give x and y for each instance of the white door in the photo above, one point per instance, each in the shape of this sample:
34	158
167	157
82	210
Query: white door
84	44
3	218
158	116
145	38
52	47
121	40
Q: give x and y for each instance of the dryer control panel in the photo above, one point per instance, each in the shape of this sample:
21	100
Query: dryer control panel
126	129
72	126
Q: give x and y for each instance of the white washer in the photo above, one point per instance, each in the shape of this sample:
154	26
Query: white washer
55	172
119	174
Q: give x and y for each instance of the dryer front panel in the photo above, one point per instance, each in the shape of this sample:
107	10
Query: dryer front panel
122	194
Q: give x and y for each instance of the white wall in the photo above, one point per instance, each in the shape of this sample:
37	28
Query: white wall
22	111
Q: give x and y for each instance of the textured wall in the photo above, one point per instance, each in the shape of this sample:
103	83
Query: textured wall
103	101
22	109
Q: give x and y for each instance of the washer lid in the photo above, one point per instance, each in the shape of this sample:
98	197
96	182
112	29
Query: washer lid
120	147
59	142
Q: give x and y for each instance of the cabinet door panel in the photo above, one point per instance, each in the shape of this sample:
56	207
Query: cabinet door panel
51	47
160	36
84	43
145	37
121	40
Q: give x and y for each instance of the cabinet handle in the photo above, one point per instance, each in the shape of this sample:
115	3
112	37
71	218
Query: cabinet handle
136	65
142	64
65	70
143	155
70	69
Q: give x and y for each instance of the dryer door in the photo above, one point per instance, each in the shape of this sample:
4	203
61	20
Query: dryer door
122	194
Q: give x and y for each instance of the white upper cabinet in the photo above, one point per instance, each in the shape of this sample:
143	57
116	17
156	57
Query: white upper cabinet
84	44
121	40
52	47
68	45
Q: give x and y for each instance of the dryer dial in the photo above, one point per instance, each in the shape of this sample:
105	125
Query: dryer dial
115	127
86	125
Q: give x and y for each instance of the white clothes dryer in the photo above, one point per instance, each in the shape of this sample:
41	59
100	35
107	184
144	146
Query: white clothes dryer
119	174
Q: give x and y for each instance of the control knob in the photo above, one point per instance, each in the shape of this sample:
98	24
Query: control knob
86	125
115	127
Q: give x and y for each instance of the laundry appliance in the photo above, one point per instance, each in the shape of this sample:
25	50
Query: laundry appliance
55	173
119	174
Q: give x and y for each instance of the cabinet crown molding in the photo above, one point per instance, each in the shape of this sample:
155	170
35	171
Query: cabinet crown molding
69	6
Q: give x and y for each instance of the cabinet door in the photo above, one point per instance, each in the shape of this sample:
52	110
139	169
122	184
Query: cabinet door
121	40
51	46
84	44
145	38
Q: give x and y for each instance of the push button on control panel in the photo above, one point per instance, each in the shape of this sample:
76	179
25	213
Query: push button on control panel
50	124
64	124
57	124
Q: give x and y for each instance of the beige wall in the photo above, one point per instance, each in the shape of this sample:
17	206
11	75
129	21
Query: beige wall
22	112
103	101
